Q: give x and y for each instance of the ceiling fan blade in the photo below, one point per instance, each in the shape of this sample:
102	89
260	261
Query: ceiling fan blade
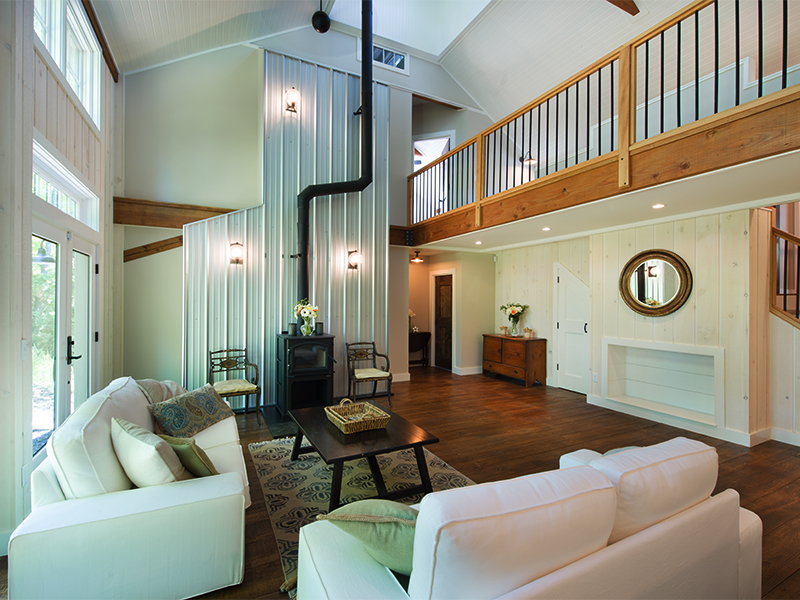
629	6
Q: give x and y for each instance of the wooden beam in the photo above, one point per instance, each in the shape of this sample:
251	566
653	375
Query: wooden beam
399	236
629	6
130	211
101	39
152	248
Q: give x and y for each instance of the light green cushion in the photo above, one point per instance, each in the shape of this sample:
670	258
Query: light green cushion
192	456
190	413
385	528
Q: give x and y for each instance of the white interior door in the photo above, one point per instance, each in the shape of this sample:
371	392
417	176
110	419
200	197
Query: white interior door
572	330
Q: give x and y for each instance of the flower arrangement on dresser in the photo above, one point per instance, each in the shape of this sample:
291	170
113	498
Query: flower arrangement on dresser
514	310
308	312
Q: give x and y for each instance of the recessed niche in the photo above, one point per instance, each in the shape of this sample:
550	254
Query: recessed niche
674	379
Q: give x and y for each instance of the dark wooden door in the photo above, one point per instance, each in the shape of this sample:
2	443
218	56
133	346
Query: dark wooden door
443	321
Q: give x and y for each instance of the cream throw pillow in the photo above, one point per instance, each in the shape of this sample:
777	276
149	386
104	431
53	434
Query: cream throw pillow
146	458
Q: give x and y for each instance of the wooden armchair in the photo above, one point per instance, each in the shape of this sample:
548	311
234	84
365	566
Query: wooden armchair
224	364
362	367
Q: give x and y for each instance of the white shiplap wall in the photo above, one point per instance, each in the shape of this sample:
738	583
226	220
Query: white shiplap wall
716	248
226	307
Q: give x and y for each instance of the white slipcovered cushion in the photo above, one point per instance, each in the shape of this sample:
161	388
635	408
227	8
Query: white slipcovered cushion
485	540
656	482
80	449
147	459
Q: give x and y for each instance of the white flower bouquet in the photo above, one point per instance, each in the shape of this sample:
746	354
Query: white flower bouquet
514	310
306	311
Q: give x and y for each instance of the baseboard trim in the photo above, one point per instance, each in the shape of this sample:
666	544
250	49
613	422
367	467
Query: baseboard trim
782	435
737	437
468	370
401	377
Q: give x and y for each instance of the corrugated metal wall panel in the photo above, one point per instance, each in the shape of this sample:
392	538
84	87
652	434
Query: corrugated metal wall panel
318	144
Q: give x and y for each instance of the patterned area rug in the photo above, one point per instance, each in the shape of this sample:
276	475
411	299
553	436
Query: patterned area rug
297	491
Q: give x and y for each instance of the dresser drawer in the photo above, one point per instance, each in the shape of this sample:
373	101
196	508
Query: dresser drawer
501	369
493	349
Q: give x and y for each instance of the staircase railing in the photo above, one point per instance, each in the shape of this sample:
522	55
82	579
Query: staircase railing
785	274
695	64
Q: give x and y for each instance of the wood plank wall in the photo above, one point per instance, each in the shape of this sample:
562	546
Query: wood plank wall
57	117
716	248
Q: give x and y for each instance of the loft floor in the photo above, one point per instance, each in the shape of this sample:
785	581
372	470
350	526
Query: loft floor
493	429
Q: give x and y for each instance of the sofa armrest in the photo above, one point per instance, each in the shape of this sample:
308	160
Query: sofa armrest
169	541
579	458
349	572
750	531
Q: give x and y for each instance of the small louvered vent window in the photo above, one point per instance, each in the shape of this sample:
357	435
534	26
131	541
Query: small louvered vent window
391	58
387	58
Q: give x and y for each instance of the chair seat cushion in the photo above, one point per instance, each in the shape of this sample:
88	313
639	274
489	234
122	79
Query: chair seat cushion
371	374
235	386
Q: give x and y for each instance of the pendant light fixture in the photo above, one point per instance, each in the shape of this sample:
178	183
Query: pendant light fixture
320	20
417	258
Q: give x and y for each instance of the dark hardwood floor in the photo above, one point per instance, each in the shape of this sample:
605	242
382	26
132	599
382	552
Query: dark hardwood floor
493	429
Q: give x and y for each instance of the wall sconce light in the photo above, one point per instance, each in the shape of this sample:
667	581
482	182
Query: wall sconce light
416	258
353	259
652	271
292	99
527	159
237	253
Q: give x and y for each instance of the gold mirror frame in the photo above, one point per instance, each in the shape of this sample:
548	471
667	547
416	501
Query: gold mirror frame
681	296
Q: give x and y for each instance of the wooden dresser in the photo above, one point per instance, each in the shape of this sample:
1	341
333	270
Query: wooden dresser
516	357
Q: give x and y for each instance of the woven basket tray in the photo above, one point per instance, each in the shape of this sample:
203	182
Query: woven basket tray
361	416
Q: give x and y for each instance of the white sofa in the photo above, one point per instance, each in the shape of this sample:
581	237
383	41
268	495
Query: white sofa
636	524
91	534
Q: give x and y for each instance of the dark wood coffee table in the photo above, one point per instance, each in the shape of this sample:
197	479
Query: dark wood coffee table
336	447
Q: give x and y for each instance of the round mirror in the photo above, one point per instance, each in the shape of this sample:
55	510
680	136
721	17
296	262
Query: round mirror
655	283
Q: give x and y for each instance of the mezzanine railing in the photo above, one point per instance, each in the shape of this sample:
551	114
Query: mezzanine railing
710	57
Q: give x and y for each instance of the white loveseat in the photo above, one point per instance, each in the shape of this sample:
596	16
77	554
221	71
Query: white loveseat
635	524
91	534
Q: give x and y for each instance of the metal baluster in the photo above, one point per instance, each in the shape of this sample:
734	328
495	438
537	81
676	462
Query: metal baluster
716	57
611	109
547	140
599	112
557	124
785	70
760	48
678	98
696	65
646	89
588	118
738	50
566	130
538	141
785	273
661	108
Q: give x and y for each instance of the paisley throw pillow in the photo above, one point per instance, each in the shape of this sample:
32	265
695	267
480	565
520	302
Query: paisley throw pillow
190	413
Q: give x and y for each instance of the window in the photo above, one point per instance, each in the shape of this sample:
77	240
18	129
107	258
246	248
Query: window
64	29
394	60
57	185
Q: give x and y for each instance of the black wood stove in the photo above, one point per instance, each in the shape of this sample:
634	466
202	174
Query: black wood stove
305	371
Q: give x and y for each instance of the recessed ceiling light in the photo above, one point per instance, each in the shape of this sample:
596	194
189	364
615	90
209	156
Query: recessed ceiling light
478	243
545	229
658	206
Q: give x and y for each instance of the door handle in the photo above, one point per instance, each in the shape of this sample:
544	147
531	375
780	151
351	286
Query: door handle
70	344
585	326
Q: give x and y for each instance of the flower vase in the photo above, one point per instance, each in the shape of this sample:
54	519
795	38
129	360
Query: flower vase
306	328
514	325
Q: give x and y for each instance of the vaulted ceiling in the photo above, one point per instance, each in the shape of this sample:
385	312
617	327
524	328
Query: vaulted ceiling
504	53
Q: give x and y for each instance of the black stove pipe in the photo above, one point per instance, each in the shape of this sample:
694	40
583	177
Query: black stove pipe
356	185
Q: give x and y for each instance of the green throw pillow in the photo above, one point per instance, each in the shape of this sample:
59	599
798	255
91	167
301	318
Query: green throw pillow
192	457
190	413
385	528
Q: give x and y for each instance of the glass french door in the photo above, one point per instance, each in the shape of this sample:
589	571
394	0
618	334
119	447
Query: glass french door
61	327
